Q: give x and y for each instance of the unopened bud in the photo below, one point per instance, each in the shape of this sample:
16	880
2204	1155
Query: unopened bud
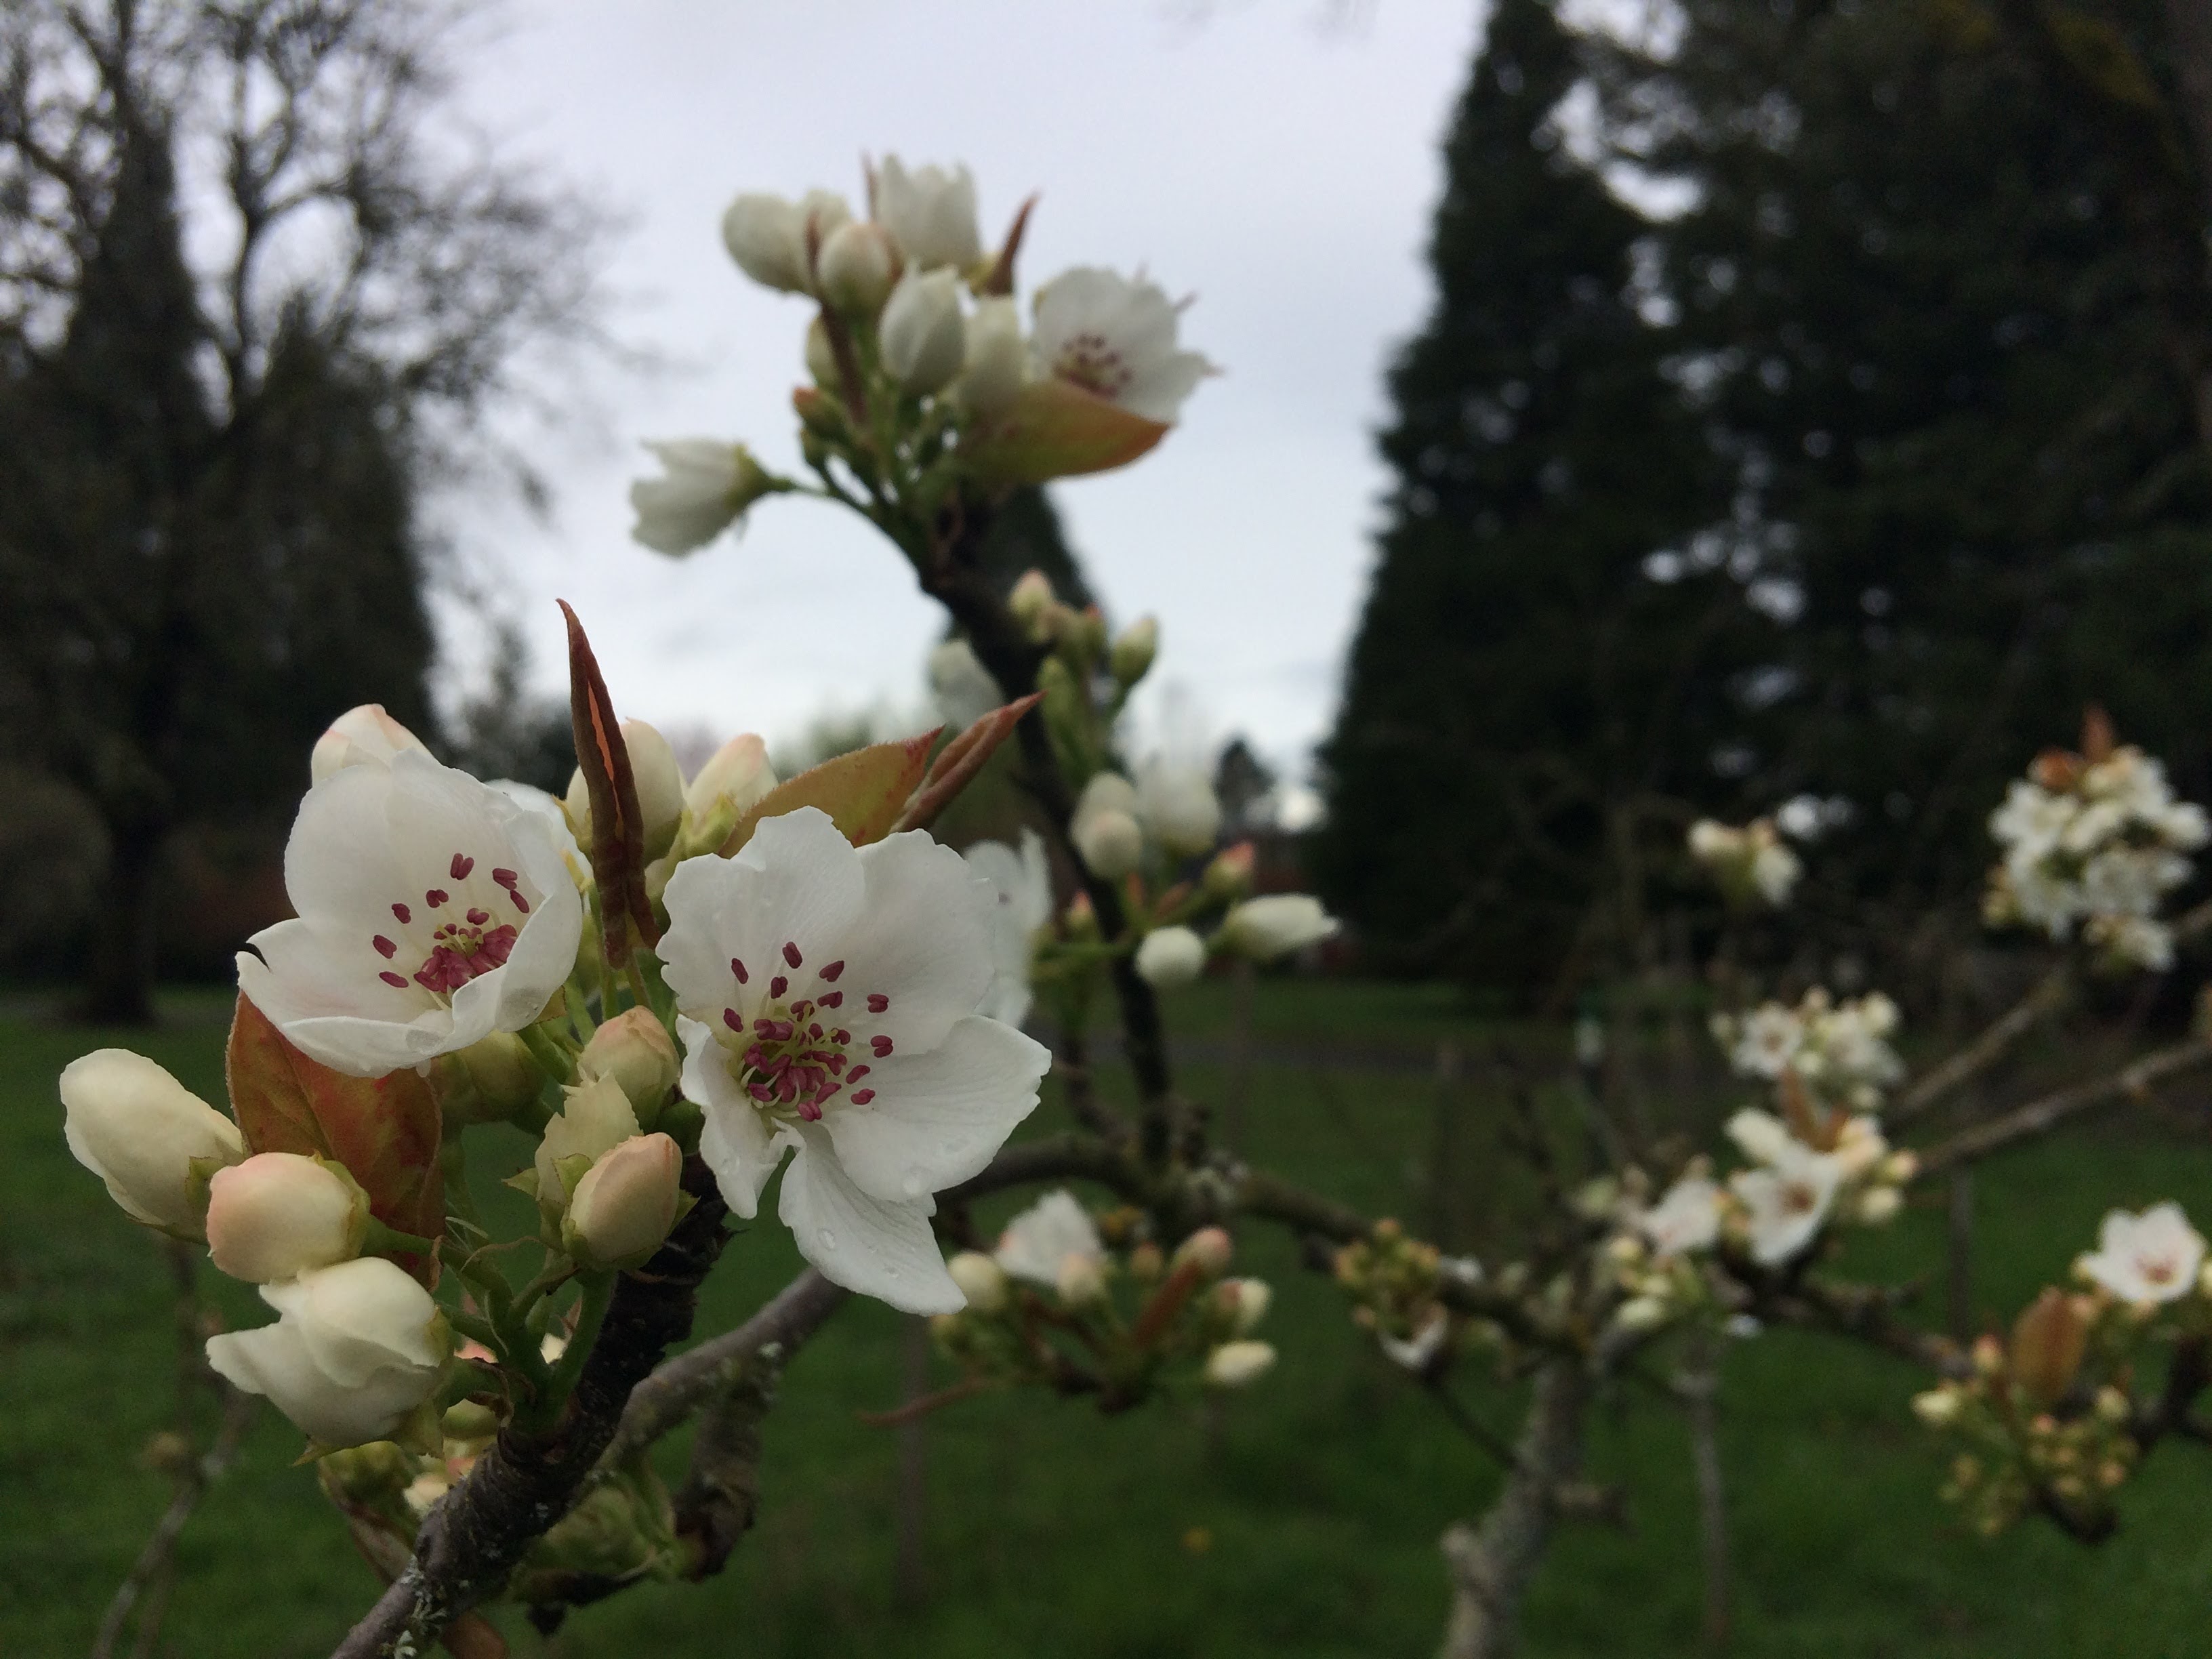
1878	1204
1641	1313
1110	841
1029	599
489	1081
624	1205
364	1472
2048	1341
1132	654
152	1140
362	736
1245	1301
634	1049
735	778
997	359
1146	1262
981	1280
923	339
855	267
467	1421
1938	1407
1210	1249
1238	1365
1084	634
821	361
1080	920
278	1215
659	782
1081	1280
1228	876
1266	928
1170	957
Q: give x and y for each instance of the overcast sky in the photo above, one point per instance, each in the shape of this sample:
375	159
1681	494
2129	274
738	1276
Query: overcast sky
1278	166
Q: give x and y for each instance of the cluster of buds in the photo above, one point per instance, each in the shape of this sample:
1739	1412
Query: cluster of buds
1653	1255
2043	1417
1396	1284
1809	1169
1750	865
1095	1305
1839	1053
925	379
2094	841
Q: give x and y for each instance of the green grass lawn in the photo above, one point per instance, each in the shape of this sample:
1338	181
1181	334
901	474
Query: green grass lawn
1320	1494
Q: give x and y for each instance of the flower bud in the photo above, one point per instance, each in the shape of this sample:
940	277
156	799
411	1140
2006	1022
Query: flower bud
626	1203
1178	807
1641	1313
924	340
1266	928
1237	1365
357	1348
767	236
706	486
932	212
1031	599
489	1081
365	1473
981	1280
659	783
1938	1407
1228	876
735	778
1132	659
142	1133
821	358
1081	920
2048	1341
634	1049
1170	957
1081	1280
595	1117
855	267
1879	1205
997	358
1146	1262
1209	1248
1246	1301
1110	841
278	1215
362	736
1082	633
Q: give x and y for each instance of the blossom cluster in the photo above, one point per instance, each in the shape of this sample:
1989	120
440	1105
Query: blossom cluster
1750	863
2046	1416
2095	842
1091	1305
1838	1053
1397	1284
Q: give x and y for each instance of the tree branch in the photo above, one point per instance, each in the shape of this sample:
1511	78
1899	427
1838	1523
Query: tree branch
1932	1088
2027	1121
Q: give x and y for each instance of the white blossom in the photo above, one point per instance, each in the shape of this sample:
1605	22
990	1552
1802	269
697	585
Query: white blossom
433	910
1239	1365
931	212
356	1348
705	486
141	1132
1786	1201
1688	1217
365	735
924	341
2146	1258
1117	338
735	777
856	267
1021	884
1041	1237
997	363
981	1280
1177	806
827	998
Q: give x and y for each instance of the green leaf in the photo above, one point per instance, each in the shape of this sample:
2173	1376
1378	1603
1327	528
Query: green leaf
863	792
1055	429
384	1130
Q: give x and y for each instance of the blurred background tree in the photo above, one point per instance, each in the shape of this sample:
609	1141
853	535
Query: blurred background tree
253	298
1810	411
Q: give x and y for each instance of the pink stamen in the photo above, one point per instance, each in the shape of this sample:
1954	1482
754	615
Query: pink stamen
504	877
732	1019
435	897
478	918
878	1002
402	913
882	1045
833	999
392	980
738	969
862	1096
385	947
810	1111
830	973
858	1071
790	953
461	866
778	985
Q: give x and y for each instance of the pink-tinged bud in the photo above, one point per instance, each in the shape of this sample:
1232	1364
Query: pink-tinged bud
1132	656
735	777
856	268
1081	1280
981	1280
1239	1365
362	736
150	1138
625	1205
1245	1301
1209	1248
1230	875
1170	957
924	339
1081	919
278	1215
634	1049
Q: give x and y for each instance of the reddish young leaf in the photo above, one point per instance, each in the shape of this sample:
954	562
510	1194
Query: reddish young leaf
863	792
617	826
1055	429
385	1130
960	761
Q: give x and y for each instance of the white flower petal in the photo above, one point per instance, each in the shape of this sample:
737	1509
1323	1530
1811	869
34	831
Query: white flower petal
868	1246
924	940
797	881
1041	1237
735	1142
937	1117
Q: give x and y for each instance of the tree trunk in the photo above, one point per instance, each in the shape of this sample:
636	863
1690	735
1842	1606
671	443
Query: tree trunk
1491	1564
118	988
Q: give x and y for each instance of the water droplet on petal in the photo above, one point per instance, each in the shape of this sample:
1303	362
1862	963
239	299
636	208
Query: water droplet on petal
912	1186
829	1239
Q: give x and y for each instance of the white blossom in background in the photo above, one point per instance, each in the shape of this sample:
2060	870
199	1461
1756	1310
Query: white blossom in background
2147	1258
1116	338
1040	1240
433	911
1021	882
931	213
356	1349
1687	1218
2095	845
142	1133
1415	1353
365	735
705	486
1170	957
1840	1053
963	688
997	365
827	998
1274	926
1785	1201
1754	860
1175	804
1105	828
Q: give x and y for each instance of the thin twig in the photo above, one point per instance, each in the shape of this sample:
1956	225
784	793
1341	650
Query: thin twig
2025	1122
156	1559
1932	1088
